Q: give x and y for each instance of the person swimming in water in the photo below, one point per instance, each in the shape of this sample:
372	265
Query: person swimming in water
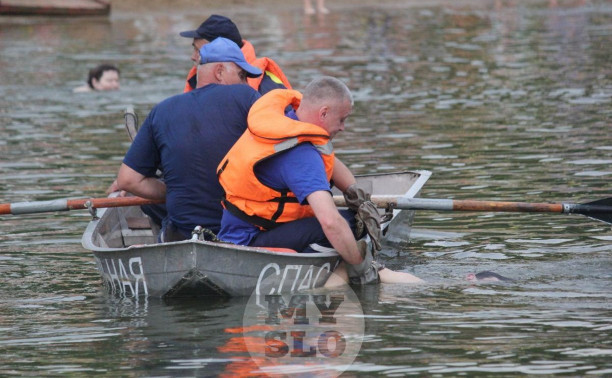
104	77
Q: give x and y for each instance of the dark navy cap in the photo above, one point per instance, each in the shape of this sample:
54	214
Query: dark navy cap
215	26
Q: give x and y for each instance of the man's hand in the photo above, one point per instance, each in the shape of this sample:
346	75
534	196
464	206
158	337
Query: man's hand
367	271
366	213
114	188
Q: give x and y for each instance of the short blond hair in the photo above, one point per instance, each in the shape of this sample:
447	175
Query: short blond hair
326	88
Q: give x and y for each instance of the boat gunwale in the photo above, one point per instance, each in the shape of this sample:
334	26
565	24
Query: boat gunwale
420	182
263	250
87	243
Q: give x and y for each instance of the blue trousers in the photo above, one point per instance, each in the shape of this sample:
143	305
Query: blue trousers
299	234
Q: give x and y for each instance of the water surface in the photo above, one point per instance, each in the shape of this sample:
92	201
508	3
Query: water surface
500	100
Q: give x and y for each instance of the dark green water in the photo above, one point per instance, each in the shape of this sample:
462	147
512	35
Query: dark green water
500	100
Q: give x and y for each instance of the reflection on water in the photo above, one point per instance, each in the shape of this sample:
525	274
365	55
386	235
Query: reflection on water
501	100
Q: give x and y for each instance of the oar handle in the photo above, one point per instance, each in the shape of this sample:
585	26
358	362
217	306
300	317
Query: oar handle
111	202
473	205
19	208
403	203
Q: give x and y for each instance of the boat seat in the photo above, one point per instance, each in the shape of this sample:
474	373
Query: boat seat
137	230
138	223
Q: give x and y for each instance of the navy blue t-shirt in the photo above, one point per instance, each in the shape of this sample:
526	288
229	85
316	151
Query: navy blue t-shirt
267	84
188	135
300	169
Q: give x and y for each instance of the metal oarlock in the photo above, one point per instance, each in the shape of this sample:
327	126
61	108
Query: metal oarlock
92	210
196	233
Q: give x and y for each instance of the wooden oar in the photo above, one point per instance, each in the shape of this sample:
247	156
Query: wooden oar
18	208
600	210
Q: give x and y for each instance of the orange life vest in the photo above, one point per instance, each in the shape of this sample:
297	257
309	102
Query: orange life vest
269	68
248	50
191	81
266	65
269	132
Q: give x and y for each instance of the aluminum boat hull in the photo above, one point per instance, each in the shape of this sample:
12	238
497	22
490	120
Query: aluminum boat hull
131	263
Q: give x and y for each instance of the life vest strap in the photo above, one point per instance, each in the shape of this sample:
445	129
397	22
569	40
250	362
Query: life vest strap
220	170
260	222
281	205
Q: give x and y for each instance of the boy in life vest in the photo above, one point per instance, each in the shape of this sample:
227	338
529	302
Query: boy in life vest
277	181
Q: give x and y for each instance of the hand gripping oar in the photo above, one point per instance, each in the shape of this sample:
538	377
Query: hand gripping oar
600	210
18	208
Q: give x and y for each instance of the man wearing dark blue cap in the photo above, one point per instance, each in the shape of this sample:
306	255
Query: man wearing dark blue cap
186	136
221	26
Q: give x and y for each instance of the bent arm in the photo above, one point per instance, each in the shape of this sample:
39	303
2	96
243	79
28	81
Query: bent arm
334	226
142	186
342	176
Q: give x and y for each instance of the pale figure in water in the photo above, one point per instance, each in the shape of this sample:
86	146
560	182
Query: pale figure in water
487	276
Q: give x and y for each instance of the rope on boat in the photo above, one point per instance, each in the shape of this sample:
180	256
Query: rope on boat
204	234
387	216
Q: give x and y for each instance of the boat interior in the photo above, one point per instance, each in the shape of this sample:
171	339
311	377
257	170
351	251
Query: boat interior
122	227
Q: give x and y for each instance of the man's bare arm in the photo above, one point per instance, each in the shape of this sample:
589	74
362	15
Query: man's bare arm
137	184
342	176
334	226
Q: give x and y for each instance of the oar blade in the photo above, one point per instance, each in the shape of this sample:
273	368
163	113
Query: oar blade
600	210
604	218
601	202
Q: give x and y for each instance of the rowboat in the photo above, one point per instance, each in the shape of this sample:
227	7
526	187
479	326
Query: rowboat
55	7
132	264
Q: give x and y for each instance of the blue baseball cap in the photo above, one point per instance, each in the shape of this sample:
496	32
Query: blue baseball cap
224	50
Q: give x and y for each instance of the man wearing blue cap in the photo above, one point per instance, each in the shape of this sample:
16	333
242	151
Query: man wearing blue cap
220	26
186	136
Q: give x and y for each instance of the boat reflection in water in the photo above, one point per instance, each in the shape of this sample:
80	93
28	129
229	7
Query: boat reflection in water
238	333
